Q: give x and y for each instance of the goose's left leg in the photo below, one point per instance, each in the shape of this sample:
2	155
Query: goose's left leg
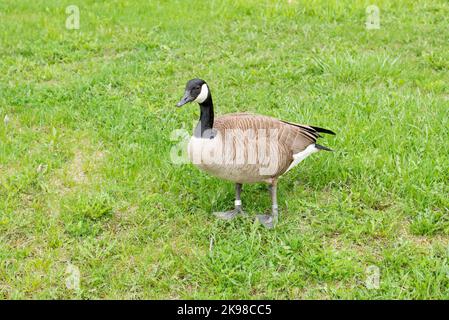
228	215
269	220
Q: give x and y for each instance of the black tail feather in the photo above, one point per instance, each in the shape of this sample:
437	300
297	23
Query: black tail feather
322	130
322	147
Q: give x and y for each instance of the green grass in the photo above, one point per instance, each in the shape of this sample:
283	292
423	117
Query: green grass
85	171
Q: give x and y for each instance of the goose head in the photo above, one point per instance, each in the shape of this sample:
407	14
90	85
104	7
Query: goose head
196	91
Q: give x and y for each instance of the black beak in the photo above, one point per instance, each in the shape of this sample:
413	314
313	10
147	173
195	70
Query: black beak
186	99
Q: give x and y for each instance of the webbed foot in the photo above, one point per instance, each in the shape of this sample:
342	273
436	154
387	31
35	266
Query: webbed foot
229	215
266	220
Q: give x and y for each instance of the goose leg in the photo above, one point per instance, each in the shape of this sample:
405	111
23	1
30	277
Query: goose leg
269	220
228	215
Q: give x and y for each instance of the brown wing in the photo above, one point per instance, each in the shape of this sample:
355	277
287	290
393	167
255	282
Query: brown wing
290	138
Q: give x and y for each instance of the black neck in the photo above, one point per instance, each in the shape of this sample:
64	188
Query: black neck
206	122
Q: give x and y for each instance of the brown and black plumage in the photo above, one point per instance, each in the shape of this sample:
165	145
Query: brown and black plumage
247	148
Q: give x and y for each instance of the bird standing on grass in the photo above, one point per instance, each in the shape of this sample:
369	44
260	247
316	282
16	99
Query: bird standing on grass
247	148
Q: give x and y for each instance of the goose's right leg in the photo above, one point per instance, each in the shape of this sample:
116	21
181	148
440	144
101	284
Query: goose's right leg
228	215
269	220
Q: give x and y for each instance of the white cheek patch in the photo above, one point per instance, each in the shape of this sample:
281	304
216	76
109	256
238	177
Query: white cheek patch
203	94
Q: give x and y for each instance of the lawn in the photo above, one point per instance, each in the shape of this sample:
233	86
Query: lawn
92	207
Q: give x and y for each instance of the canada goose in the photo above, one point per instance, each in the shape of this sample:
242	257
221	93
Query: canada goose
246	148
